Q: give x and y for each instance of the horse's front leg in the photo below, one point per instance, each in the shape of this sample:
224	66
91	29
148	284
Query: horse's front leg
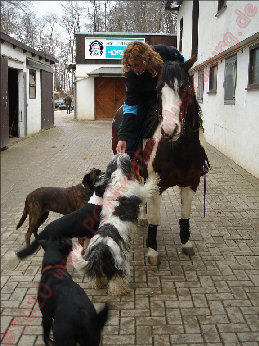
153	210
186	203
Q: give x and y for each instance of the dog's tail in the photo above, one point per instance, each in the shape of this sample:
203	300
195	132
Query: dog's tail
13	258
29	250
23	218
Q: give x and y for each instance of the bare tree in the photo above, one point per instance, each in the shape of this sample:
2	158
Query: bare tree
56	36
11	13
141	16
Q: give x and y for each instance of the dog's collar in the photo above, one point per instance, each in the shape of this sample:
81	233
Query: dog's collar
56	266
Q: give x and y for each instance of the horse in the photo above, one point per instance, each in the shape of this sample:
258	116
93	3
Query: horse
174	151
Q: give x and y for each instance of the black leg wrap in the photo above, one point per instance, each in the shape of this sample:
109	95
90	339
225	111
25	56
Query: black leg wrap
151	237
184	230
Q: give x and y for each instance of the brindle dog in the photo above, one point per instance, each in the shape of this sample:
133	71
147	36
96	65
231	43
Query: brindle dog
41	201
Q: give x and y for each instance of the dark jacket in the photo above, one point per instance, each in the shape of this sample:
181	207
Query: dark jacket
141	89
68	100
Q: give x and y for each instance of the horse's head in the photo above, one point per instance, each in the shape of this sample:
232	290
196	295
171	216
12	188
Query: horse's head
176	92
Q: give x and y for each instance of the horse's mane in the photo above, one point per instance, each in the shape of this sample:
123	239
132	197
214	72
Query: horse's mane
171	72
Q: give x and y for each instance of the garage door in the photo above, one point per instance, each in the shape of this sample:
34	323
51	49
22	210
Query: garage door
109	96
47	109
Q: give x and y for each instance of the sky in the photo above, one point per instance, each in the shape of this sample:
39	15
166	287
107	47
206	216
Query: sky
46	7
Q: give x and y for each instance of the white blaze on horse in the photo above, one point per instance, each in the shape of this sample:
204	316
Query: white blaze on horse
174	152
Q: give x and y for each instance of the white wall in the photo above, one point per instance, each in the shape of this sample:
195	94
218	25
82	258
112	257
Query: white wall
85	99
233	129
34	107
186	11
85	90
216	29
21	115
17	60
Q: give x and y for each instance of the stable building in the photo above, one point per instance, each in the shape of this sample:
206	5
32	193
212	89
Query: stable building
26	90
225	37
99	82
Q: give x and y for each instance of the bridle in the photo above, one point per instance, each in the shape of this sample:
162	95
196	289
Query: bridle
186	93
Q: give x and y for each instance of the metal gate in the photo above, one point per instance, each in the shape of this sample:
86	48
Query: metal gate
4	103
109	96
47	109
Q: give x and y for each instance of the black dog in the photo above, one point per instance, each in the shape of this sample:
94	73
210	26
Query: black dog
61	200
81	223
63	303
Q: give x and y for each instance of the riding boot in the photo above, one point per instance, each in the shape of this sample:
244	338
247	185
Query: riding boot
184	230
151	237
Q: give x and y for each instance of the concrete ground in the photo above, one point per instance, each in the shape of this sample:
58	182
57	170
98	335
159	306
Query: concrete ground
211	298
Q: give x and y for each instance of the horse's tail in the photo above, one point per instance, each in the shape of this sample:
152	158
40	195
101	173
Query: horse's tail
23	218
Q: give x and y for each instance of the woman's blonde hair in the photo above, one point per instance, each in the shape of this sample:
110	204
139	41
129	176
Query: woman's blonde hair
141	51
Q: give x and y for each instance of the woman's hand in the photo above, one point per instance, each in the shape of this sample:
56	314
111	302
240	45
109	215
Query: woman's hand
121	147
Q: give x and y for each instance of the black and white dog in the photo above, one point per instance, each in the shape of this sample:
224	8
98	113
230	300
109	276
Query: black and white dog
63	303
82	223
107	256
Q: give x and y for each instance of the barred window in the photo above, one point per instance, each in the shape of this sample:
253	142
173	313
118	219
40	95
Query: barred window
200	86
254	66
32	84
230	80
213	78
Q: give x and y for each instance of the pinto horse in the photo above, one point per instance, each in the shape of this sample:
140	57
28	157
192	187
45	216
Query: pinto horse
174	152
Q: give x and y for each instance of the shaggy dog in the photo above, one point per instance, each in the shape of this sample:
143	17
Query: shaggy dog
80	223
41	201
63	303
107	256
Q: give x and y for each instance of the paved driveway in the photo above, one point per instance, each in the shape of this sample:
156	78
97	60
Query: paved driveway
209	299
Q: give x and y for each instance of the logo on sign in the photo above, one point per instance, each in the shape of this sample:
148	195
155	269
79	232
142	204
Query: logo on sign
96	48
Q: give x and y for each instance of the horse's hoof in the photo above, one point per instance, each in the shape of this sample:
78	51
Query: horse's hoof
154	260
187	249
153	257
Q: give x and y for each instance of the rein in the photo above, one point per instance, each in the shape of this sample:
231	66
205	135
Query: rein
56	266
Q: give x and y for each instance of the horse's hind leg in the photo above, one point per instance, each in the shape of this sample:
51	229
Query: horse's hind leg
186	203
153	222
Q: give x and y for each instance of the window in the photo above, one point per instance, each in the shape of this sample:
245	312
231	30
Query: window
221	4
181	35
253	79
200	86
230	80
32	84
213	79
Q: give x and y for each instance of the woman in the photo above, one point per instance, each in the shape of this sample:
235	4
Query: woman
141	64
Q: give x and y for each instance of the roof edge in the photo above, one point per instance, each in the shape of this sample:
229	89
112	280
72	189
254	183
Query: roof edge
6	38
125	34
